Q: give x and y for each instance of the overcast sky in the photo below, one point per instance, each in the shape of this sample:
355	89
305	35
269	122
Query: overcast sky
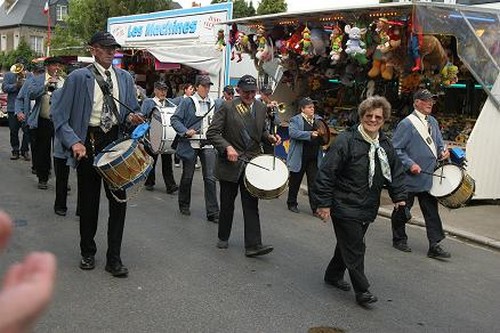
294	5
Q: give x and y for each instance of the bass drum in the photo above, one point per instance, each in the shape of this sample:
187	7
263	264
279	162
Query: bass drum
161	133
266	177
455	188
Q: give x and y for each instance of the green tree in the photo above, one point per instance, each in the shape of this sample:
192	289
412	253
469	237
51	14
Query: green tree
7	59
272	7
85	17
240	8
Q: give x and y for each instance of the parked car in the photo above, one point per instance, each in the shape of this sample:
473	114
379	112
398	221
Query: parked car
4	120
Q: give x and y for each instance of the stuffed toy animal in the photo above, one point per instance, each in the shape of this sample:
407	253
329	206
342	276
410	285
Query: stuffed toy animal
389	39
449	74
336	39
220	43
355	47
306	42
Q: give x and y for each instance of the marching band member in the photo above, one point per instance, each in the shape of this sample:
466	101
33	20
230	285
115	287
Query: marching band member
12	84
305	153
40	89
237	131
86	120
190	121
159	100
419	144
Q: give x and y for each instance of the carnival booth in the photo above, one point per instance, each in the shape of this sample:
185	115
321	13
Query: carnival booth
341	56
178	44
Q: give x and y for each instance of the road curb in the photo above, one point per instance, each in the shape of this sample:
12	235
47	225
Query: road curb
490	242
482	240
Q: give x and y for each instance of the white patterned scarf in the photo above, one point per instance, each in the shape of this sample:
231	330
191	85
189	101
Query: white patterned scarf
382	156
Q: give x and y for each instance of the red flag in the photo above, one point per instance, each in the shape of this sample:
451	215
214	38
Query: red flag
46	7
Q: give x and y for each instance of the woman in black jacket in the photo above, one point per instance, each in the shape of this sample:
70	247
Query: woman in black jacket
348	187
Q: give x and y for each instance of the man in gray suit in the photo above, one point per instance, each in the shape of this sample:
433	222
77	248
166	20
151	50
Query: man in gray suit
419	144
86	120
237	130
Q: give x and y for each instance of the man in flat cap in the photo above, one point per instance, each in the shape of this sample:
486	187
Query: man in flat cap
236	132
12	83
419	144
39	88
87	118
191	120
160	101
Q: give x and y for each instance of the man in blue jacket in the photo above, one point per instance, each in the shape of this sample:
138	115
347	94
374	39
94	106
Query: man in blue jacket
86	120
11	85
419	144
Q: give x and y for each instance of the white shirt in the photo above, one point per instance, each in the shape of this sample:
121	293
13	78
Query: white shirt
95	117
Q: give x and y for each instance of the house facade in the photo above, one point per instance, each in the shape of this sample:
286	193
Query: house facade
27	19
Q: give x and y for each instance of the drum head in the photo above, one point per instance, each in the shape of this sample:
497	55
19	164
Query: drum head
113	151
156	130
266	180
444	186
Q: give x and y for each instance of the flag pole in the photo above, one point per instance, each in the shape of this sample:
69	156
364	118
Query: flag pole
48	31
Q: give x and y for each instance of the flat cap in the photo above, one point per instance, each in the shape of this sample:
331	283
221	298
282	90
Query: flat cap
104	38
203	80
229	90
53	60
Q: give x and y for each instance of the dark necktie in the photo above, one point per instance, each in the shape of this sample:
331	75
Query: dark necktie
107	114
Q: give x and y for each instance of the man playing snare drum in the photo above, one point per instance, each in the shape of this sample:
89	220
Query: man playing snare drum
236	132
86	121
419	144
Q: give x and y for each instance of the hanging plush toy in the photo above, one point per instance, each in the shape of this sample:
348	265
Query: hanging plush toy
389	39
306	43
220	43
355	47
336	44
260	39
449	74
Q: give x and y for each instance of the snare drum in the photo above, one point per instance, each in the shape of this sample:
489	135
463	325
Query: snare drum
266	184
161	133
455	188
123	164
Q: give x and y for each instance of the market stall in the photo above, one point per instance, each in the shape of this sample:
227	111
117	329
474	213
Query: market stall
185	42
341	56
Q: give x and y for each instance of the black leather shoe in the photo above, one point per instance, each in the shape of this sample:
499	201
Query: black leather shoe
87	263
14	156
173	189
42	185
365	298
185	211
402	247
437	252
222	244
341	284
149	187
117	270
258	250
26	156
294	209
213	218
60	211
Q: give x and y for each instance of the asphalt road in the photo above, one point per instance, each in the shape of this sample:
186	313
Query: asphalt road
180	282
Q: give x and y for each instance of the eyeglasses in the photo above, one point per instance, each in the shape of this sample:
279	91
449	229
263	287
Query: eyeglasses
373	117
